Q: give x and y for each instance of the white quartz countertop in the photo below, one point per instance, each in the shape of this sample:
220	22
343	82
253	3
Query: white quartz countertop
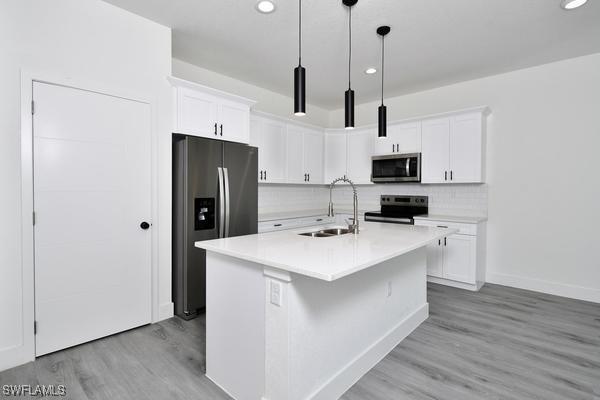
327	258
452	218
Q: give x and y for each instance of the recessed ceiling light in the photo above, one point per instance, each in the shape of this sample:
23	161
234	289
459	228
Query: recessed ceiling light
265	6
370	71
572	4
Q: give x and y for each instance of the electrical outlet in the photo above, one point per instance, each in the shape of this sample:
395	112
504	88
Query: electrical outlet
275	289
389	289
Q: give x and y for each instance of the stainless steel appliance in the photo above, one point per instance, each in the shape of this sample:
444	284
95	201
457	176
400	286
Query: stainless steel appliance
396	168
215	195
399	209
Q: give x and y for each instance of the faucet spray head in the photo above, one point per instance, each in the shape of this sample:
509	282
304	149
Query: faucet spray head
330	210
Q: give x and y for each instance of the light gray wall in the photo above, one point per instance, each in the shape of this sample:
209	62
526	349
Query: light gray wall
267	101
543	176
87	41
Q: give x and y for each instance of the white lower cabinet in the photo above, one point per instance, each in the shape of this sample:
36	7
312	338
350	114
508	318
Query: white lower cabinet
459	259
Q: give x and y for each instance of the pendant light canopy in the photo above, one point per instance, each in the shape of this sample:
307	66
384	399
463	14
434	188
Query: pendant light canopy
349	96
382	119
299	72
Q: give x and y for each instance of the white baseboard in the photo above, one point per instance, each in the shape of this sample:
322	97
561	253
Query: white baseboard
165	311
14	356
456	284
343	380
538	285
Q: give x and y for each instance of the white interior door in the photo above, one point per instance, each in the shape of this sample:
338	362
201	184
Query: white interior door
92	189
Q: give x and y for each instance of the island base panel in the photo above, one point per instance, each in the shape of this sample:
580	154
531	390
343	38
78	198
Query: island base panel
320	339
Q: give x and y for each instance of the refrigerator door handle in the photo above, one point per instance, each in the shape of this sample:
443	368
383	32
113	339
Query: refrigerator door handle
221	203
227	215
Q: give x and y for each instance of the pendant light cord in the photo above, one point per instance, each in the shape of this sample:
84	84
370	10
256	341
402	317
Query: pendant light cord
299	32
382	64
350	46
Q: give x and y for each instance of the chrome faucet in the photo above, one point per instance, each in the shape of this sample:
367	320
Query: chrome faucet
354	226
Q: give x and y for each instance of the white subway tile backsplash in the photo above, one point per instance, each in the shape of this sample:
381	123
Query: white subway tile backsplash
468	200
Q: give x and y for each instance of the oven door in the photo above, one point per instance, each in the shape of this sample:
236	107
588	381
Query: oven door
396	168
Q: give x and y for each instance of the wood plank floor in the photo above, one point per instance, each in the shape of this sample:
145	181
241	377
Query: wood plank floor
500	343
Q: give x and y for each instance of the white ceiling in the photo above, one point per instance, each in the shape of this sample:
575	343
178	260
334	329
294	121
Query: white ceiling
432	42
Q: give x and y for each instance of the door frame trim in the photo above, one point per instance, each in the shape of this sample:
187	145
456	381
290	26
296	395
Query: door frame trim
28	78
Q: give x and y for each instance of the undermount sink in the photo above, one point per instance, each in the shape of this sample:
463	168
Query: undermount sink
327	232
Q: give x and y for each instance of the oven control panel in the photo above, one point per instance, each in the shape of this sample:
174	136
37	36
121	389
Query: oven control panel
396	200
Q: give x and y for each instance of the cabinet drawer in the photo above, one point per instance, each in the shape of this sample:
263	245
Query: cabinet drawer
463	228
278	225
319	220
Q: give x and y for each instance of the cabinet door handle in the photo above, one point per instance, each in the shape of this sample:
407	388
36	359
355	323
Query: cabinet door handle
393	148
261	175
308	177
397	148
445	243
215	128
221	129
265	175
304	177
439	242
451	175
445	175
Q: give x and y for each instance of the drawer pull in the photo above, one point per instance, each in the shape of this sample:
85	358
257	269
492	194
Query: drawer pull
277	225
442	226
319	219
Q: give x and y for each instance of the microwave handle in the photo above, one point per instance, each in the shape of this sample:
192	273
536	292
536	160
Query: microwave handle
407	166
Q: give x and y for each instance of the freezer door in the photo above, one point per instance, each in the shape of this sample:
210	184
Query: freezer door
196	200
240	165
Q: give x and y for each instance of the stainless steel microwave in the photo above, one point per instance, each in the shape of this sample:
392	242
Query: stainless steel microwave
396	168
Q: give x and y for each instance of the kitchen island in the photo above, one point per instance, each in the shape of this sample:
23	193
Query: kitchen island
298	317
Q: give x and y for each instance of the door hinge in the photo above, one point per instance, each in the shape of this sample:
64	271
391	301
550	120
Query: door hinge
33	217
32	107
35	327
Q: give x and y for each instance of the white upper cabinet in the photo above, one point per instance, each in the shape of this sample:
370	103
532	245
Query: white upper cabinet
287	152
435	146
360	151
271	138
313	155
296	173
206	112
453	149
467	148
401	138
335	154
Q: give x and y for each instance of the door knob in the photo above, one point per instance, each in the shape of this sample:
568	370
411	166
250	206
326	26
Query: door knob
144	225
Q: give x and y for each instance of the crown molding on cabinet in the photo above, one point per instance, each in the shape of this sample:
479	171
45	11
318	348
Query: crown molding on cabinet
178	82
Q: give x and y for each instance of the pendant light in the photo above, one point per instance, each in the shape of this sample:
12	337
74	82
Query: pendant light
382	120
299	72
349	95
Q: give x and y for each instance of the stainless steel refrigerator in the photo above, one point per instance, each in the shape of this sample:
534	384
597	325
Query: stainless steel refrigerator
215	195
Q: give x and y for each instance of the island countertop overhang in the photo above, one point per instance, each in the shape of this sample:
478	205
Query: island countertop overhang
328	258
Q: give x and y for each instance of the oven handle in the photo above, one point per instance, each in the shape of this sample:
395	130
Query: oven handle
386	219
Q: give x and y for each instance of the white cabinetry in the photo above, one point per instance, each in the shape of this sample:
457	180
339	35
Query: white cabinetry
453	149
401	138
348	153
270	137
287	152
313	155
206	112
457	260
335	154
359	153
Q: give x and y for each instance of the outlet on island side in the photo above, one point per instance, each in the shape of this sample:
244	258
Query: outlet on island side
275	290
389	289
